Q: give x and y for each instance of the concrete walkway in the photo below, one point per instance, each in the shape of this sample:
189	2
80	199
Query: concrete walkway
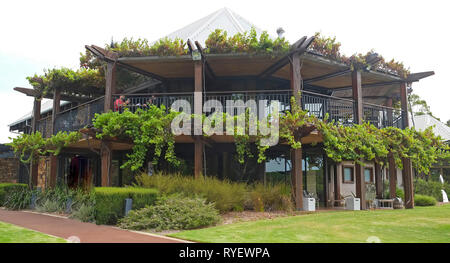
86	232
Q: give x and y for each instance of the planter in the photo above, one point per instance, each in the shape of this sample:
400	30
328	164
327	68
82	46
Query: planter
309	204
352	203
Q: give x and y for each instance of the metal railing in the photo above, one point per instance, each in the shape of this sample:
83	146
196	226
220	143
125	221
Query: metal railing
381	116
79	116
143	101
339	110
45	127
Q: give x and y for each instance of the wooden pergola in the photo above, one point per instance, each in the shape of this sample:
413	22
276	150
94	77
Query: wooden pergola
300	68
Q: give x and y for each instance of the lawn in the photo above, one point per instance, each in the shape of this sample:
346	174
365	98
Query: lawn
14	234
422	224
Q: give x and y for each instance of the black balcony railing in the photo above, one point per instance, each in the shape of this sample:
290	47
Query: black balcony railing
78	117
340	110
381	116
44	126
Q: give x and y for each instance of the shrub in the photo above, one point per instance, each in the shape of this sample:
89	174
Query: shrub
19	199
430	188
110	202
174	212
85	213
227	196
424	200
271	198
8	188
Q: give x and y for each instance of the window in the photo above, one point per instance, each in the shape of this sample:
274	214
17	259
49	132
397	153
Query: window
348	173
368	175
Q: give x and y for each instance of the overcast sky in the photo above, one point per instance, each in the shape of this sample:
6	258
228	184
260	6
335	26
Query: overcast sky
44	34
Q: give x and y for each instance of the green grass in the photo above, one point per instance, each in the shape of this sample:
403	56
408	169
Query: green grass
14	234
421	224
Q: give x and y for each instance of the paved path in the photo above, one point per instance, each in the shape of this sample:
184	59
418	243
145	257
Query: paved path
86	232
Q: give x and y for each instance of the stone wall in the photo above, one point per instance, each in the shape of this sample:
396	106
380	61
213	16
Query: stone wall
8	170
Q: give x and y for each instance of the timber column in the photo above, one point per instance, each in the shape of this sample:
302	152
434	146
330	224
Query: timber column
407	173
296	154
53	158
34	127
105	147
198	106
392	167
358	116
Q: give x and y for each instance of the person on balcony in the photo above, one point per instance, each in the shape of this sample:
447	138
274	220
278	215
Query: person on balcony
150	102
120	103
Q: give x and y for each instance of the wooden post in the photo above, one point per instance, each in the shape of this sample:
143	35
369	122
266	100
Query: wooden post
378	181
296	154
297	177
358	116
110	86
198	106
106	159
34	127
407	173
54	159
338	181
392	177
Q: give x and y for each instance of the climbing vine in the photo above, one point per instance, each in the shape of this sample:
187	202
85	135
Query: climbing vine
330	48
148	129
31	146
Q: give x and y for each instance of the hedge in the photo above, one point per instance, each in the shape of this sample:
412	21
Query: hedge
8	188
424	200
110	202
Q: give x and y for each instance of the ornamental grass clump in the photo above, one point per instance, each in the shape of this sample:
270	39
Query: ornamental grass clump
172	213
226	195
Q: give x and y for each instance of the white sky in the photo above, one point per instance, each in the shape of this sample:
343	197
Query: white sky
44	34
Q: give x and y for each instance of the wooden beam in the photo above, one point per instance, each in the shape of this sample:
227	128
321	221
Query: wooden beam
34	167
296	154
50	95
53	158
378	181
357	96
141	71
360	185
298	48
36	114
297	177
198	109
408	187
110	86
358	116
296	78
209	71
392	177
327	76
106	159
198	158
390	113
404	104
372	85
413	77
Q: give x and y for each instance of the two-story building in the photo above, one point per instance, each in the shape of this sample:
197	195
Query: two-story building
327	87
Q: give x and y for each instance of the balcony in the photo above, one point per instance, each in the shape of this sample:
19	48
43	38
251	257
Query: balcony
339	110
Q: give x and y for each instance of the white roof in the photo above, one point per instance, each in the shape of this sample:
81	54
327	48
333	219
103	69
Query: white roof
46	106
421	122
221	19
